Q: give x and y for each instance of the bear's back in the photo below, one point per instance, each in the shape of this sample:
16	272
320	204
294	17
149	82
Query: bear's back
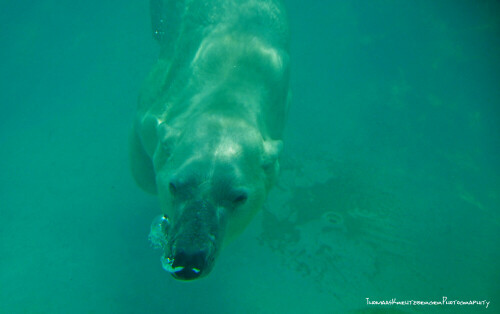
183	23
200	47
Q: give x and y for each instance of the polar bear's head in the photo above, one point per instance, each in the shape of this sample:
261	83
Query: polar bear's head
212	178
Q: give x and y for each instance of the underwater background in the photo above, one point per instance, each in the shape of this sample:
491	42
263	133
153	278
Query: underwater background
390	176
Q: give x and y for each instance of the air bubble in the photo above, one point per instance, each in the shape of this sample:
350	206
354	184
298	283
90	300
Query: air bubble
159	230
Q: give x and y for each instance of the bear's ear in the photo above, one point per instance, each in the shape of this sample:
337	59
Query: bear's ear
166	135
272	150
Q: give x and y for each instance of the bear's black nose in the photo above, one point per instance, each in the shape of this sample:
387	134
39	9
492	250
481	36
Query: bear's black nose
192	264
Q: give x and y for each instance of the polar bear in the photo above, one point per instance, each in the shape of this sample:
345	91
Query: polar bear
209	124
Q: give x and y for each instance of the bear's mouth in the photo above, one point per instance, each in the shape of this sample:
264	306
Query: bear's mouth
190	244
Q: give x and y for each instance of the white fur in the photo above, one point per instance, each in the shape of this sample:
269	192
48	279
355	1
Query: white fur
217	97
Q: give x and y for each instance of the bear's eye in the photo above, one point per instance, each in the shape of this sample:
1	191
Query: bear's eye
172	187
181	186
240	198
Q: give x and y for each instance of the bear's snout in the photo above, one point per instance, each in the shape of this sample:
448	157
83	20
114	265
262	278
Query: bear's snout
192	256
194	240
191	264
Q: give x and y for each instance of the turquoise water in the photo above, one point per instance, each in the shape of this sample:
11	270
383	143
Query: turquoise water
390	175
